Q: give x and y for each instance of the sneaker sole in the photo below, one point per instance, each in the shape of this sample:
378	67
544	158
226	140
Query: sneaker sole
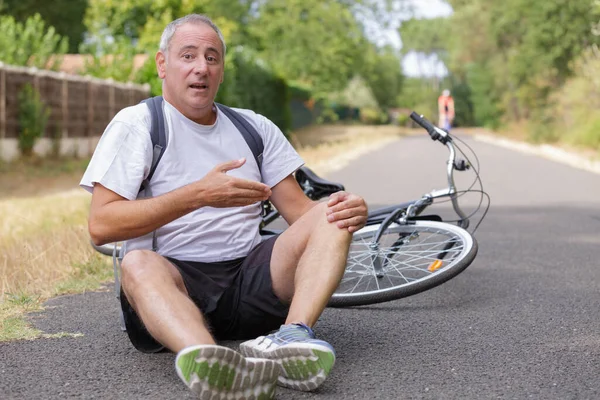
219	373
304	366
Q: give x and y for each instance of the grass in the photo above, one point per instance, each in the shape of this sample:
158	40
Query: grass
38	176
44	244
44	252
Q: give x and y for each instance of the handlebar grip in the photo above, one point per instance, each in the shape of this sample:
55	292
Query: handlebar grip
419	119
434	133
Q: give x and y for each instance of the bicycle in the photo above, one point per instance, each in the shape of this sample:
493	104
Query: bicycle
400	252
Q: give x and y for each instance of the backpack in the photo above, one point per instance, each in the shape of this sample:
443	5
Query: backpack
158	133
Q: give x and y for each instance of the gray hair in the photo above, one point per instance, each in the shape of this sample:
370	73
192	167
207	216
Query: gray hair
167	35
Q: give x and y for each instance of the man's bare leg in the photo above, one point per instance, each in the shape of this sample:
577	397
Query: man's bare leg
307	263
313	251
155	289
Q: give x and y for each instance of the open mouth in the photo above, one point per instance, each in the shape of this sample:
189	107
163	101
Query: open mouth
198	86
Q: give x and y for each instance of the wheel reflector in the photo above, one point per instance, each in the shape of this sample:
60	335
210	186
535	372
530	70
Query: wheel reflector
437	264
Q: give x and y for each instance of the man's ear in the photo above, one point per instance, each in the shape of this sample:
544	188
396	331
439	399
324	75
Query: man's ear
161	63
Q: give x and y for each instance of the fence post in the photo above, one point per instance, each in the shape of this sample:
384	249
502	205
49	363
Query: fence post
90	114
2	102
111	99
65	105
129	93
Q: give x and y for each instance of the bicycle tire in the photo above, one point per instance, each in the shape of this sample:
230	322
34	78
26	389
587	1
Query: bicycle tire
407	262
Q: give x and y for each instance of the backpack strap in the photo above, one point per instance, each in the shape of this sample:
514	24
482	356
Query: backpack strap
251	136
158	134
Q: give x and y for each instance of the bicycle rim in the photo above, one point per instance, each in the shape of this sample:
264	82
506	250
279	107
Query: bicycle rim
412	258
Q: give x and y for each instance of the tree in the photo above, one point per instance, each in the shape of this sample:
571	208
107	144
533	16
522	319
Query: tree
66	16
31	43
314	41
142	21
384	76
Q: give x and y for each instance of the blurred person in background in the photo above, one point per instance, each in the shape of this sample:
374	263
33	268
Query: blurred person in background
445	110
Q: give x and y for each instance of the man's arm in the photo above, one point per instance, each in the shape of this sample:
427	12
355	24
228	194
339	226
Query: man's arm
348	211
114	218
289	199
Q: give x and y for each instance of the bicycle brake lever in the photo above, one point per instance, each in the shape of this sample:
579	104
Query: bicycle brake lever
461	165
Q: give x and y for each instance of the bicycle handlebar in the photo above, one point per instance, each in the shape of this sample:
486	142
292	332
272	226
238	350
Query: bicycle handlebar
443	137
435	132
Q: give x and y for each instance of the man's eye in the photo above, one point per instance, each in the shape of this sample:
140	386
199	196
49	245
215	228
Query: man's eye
188	56
211	59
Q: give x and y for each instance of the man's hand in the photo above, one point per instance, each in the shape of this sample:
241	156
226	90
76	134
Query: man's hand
347	210
217	189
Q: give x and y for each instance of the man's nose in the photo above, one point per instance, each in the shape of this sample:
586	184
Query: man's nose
201	66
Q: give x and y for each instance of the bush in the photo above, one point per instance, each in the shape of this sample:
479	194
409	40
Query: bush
299	91
33	117
373	116
31	43
148	74
327	116
250	83
403	120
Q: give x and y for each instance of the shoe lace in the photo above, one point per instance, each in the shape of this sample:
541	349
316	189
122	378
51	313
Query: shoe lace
291	333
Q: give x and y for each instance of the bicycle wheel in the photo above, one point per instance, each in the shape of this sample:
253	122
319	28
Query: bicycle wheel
410	259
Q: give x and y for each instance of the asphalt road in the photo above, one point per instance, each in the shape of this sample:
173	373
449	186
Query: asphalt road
521	322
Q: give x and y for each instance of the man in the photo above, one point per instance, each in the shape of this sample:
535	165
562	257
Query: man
445	110
211	277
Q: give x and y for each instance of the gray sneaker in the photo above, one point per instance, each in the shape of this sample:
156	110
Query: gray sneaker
305	360
220	373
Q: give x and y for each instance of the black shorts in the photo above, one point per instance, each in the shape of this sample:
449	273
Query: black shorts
236	298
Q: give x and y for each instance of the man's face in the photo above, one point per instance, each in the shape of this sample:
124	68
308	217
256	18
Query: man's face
192	70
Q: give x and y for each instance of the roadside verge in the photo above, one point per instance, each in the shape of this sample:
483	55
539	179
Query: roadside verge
550	152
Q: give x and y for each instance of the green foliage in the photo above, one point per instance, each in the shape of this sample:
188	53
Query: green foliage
509	57
143	21
249	83
384	76
463	105
148	74
33	117
357	94
314	41
319	44
373	116
575	106
429	36
403	119
66	16
299	91
420	96
31	43
484	96
110	58
328	115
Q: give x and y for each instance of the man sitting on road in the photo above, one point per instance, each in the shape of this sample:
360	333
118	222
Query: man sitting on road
210	276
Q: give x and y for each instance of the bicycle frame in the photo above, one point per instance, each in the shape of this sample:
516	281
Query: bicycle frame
402	213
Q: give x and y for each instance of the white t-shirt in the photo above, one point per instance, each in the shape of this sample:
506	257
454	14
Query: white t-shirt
123	158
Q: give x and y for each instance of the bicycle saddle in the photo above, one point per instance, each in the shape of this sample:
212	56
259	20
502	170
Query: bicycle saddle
314	186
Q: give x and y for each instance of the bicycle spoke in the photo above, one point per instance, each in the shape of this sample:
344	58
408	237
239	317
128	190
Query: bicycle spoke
406	253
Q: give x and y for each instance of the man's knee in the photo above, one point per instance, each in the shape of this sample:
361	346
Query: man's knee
139	267
322	224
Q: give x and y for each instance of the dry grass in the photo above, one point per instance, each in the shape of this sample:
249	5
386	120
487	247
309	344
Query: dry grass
44	244
40	241
44	252
329	148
